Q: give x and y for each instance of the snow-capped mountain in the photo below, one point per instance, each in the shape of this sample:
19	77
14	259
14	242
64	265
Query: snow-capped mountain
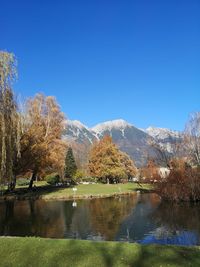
80	138
120	125
165	137
76	131
162	133
130	139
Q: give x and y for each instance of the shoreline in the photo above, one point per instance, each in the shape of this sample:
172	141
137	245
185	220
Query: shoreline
76	197
85	192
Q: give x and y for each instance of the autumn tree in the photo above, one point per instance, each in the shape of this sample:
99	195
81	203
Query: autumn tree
70	164
127	162
107	163
9	119
42	147
150	172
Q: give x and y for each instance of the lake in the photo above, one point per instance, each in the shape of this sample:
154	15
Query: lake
139	218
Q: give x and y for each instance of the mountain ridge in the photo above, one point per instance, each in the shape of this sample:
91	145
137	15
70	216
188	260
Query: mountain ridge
129	138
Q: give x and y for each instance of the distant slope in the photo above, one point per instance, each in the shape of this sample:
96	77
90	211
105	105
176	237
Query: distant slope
80	138
165	137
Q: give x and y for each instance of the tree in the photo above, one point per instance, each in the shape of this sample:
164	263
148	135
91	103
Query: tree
9	119
42	147
70	164
107	163
150	172
182	183
192	138
129	165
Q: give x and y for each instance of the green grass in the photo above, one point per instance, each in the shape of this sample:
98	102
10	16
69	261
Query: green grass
36	183
76	253
95	190
48	192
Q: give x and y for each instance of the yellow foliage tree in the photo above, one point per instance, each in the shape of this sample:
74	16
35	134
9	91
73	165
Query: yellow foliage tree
108	164
42	147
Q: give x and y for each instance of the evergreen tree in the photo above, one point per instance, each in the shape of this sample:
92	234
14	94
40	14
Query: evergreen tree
70	164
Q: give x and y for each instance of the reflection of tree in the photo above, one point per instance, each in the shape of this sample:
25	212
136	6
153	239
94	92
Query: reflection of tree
7	213
68	212
81	226
183	216
30	218
107	214
46	219
152	199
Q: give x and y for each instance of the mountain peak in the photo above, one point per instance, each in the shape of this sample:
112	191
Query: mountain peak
108	125
75	123
161	133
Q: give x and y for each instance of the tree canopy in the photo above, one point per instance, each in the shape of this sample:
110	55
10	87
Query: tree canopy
108	164
42	147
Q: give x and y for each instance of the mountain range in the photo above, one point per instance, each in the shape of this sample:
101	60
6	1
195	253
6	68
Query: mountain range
130	139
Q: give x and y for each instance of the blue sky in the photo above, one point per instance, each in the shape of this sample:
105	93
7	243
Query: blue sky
138	60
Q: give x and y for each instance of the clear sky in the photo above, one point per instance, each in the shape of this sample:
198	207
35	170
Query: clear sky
133	59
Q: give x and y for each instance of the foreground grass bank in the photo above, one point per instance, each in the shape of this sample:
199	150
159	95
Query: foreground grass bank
38	252
48	192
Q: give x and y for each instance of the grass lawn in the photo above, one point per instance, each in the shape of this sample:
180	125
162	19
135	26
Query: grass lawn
95	190
76	253
48	192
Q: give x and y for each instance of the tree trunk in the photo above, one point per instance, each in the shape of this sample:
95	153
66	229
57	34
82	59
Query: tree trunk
12	184
33	178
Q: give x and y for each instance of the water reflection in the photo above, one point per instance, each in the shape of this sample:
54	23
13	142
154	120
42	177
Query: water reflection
140	217
107	216
179	224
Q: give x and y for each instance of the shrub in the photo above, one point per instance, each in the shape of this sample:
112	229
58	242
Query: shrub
182	183
79	175
52	178
89	179
23	181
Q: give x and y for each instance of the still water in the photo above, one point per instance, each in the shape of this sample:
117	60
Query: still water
139	218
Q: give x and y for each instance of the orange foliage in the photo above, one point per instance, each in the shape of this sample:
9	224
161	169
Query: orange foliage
42	147
108	163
